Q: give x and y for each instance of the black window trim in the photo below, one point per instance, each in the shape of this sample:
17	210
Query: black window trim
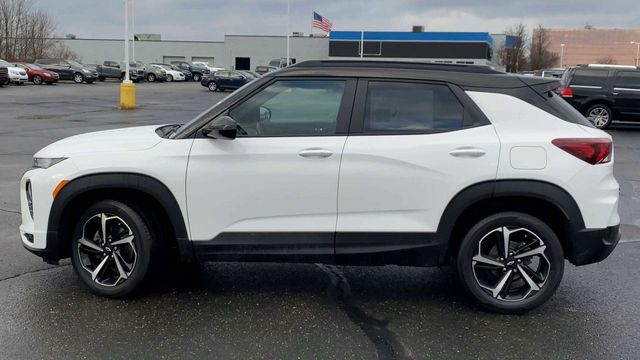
344	112
471	111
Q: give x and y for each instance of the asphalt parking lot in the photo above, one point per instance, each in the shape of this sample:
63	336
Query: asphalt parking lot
267	311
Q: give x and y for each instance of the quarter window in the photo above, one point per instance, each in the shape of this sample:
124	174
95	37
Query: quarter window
628	80
584	77
292	108
411	108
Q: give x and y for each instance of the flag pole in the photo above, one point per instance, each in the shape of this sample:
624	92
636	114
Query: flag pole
361	44
288	30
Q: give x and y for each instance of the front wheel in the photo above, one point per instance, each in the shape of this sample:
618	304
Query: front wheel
169	78
197	77
78	78
600	115
112	248
151	78
213	86
37	79
511	262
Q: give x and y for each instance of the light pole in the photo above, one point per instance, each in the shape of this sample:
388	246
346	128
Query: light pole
288	32
561	55
127	88
133	31
637	50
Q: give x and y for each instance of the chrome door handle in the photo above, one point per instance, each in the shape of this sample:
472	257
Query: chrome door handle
615	93
467	152
315	152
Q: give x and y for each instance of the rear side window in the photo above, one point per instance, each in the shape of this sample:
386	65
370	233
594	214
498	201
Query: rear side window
585	77
410	108
628	80
562	109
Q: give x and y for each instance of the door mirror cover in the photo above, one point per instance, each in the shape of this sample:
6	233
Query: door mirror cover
224	126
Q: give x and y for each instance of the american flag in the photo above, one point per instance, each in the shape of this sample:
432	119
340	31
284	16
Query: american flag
321	23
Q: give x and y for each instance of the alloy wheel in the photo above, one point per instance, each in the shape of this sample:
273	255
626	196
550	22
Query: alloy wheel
106	249
213	86
37	80
77	78
510	264
599	116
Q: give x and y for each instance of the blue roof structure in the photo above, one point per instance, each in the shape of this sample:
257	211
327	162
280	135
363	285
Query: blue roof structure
411	36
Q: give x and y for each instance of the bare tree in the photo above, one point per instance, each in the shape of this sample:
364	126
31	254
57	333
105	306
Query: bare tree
606	60
541	57
513	56
26	33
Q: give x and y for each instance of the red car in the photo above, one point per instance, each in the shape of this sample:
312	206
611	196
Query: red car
39	75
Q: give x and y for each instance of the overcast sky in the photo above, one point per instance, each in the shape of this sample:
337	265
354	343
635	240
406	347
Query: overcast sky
212	19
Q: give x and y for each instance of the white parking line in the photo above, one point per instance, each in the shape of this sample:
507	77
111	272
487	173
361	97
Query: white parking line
629	241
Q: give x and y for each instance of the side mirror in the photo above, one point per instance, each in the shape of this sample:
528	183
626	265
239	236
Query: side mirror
224	126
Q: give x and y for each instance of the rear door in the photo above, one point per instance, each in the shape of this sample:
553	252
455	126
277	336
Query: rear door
589	84
626	94
412	147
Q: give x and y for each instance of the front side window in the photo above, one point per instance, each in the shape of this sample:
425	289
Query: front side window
291	108
628	80
411	108
585	77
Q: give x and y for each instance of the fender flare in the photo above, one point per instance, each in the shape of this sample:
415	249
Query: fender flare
116	181
536	189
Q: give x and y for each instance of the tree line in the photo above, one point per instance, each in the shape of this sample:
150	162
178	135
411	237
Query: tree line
528	52
26	33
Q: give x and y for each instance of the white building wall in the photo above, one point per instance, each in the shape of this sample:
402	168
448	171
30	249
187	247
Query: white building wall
260	49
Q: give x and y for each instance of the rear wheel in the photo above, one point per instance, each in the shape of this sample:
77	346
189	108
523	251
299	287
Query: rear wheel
600	115
102	78
112	248
78	78
197	77
37	79
151	78
511	262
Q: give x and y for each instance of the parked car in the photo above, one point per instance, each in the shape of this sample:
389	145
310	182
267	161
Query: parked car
172	75
265	69
433	162
69	70
109	70
253	74
226	79
552	73
198	71
38	75
17	75
603	93
205	64
4	75
136	71
187	74
155	73
281	63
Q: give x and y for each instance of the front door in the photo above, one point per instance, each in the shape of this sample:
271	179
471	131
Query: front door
412	148
272	190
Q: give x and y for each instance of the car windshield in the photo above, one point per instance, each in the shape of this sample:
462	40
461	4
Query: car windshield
33	67
5	64
74	63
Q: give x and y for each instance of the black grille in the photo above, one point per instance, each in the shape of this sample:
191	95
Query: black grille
29	237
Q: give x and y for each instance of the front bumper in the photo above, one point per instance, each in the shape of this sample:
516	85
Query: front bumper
18	78
590	246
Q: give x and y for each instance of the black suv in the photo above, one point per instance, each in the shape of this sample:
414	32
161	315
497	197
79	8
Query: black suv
69	70
603	92
197	71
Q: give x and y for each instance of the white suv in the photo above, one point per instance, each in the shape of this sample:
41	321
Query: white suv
368	163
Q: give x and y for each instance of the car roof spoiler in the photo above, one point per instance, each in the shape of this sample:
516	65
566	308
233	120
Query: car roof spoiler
541	85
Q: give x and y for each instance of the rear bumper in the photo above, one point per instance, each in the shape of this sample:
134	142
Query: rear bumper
590	246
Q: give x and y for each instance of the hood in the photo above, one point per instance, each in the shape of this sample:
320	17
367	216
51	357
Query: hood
119	140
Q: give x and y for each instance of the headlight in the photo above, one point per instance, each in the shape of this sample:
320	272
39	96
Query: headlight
45	163
13	72
86	71
47	74
29	198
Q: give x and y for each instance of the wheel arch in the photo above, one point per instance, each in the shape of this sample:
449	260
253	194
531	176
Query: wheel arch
126	187
549	202
595	101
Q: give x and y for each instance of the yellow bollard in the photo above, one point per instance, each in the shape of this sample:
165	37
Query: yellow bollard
127	96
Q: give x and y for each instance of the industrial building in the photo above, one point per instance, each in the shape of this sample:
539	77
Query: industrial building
244	52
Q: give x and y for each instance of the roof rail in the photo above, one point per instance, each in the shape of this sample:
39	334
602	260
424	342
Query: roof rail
478	69
609	66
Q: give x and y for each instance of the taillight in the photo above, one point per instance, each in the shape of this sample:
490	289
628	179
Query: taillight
594	151
566	92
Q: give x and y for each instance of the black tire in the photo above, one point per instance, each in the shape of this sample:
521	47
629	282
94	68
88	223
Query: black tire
78	78
151	77
169	78
89	81
516	295
197	77
213	86
37	79
146	243
600	115
101	78
221	89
